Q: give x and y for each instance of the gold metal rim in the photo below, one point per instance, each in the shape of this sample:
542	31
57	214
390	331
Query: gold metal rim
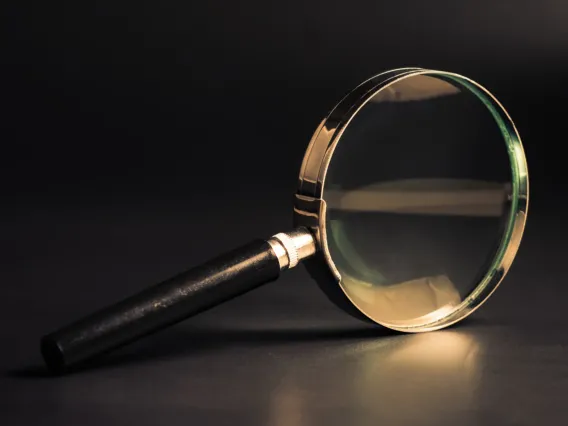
310	208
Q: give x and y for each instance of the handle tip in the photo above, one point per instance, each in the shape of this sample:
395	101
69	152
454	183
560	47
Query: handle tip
52	355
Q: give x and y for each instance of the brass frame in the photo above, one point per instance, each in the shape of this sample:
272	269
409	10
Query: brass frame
310	208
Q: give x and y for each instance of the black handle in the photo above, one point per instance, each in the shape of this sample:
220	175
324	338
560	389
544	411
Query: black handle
180	297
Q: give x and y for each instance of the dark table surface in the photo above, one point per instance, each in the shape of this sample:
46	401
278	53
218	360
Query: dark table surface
281	355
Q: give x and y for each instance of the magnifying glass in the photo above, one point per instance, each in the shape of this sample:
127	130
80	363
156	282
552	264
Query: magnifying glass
411	205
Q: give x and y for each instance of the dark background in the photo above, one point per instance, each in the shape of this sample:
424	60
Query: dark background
138	138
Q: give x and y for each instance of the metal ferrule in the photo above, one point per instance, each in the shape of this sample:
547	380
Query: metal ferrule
291	247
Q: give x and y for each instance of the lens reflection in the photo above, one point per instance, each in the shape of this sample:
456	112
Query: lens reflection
433	376
417	195
428	378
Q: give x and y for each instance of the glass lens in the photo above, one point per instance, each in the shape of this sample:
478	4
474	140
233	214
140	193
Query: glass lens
418	199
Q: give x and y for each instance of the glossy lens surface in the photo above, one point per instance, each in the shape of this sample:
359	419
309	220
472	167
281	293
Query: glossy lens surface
418	195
